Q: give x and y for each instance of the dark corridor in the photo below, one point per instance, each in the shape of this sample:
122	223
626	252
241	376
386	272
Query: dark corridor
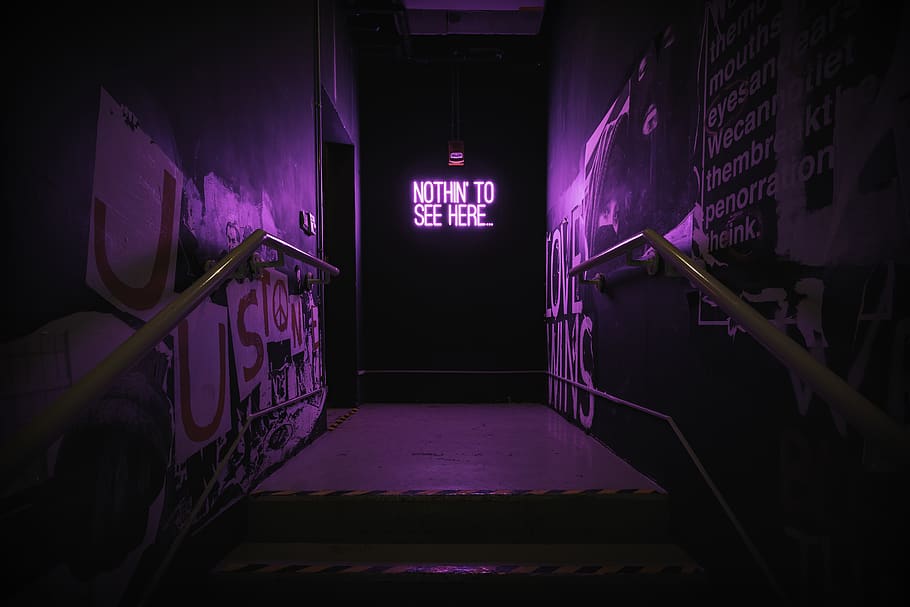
447	299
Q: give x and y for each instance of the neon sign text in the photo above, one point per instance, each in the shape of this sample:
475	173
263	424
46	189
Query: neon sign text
456	204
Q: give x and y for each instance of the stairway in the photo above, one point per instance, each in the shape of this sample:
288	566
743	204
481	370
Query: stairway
445	545
384	505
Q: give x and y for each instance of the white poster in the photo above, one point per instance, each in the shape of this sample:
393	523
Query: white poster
278	317
299	330
135	214
247	312
201	379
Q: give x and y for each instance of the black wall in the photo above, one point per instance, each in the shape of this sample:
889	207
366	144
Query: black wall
445	299
822	257
222	100
341	314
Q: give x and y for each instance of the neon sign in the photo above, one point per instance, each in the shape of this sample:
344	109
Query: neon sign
454	204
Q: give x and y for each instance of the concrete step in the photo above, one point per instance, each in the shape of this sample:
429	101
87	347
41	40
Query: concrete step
451	572
594	559
459	516
438	545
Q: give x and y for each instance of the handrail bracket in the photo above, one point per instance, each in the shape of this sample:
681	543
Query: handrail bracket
651	264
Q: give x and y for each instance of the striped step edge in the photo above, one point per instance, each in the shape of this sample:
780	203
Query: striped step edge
454	569
413	492
340	420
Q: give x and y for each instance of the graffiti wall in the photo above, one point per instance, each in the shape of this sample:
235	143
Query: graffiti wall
628	178
783	188
763	138
238	386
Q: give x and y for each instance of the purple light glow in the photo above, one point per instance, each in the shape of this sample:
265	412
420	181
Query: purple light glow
465	203
475	5
453	569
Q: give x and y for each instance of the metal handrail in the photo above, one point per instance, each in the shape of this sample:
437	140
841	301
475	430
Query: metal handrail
449	371
696	461
188	525
873	423
44	429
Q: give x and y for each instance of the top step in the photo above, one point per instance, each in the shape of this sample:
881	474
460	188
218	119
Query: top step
508	516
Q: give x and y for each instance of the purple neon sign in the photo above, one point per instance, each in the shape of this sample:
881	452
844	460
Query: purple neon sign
452	204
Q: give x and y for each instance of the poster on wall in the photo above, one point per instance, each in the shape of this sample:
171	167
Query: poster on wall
276	351
202	380
802	170
41	366
134	215
785	88
161	428
305	377
630	178
124	431
276	362
248	314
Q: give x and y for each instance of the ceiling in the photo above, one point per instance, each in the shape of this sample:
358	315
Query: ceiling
429	31
473	17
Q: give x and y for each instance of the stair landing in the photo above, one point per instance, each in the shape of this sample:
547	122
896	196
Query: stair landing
409	447
452	503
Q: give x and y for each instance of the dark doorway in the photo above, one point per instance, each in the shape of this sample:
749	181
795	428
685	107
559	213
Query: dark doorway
340	348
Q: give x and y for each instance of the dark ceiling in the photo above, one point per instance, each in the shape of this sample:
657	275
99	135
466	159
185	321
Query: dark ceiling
446	31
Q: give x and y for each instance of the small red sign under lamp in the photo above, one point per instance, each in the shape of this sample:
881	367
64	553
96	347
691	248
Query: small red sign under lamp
456	153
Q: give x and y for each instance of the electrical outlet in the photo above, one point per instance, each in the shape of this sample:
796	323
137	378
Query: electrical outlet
305	223
311	219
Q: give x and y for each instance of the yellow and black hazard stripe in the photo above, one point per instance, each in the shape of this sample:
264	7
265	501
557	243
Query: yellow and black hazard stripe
458	569
420	492
341	419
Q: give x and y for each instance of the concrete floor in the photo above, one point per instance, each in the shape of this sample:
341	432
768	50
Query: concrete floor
403	447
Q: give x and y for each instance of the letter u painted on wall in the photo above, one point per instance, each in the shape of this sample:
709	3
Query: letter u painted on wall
201	374
134	215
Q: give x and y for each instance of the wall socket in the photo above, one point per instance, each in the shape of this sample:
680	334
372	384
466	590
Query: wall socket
307	223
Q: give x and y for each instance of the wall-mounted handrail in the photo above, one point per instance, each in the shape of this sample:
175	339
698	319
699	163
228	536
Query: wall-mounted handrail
44	429
273	242
871	422
449	371
696	461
